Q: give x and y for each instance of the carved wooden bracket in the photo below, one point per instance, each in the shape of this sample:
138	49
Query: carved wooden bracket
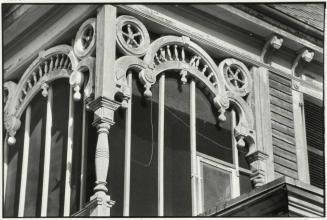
258	168
83	75
303	57
274	43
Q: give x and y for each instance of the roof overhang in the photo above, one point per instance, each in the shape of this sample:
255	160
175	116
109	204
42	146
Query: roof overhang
281	197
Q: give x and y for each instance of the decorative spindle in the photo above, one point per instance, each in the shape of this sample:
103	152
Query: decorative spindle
157	58
147	93
192	60
183	74
24	91
40	72
51	64
57	62
11	140
163	54
210	75
77	95
34	77
46	67
197	62
62	59
30	86
204	68
222	116
176	52
183	55
66	63
45	88
168	52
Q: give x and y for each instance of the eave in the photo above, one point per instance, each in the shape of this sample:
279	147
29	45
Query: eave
281	197
237	34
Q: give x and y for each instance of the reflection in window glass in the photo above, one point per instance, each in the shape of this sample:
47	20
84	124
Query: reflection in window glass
177	163
58	146
115	177
144	144
216	185
245	183
212	139
35	156
76	160
242	161
13	174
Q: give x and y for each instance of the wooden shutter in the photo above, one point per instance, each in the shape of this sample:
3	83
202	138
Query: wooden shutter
314	123
282	124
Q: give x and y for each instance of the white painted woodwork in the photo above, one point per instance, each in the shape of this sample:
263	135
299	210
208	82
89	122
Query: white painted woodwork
127	167
262	114
69	158
300	137
236	180
199	186
83	157
47	152
105	52
26	147
180	27
193	146
5	166
161	136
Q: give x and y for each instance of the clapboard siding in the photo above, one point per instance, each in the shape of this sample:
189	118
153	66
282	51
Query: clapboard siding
282	124
281	119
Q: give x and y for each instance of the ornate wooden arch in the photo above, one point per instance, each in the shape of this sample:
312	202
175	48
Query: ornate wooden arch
52	64
180	53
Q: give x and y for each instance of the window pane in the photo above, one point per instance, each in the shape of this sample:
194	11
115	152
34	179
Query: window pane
13	174
116	164
76	160
177	164
245	183
216	185
92	136
144	165
212	139
58	146
242	161
35	158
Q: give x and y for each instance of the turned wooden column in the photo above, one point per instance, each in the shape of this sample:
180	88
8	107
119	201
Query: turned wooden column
104	110
103	106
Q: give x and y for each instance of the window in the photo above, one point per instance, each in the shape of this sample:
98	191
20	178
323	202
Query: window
44	166
220	170
314	127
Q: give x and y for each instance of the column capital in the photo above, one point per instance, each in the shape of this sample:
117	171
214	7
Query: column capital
258	167
104	110
257	155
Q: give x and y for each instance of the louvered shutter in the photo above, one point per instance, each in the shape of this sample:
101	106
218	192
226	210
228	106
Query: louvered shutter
314	121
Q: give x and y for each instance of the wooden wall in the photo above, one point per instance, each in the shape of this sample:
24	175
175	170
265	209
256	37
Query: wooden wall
283	136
